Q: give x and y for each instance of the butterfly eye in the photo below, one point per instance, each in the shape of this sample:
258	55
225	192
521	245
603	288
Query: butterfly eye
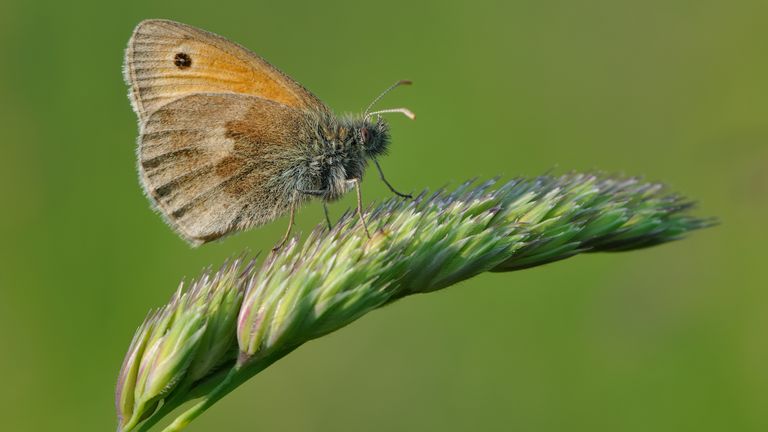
364	134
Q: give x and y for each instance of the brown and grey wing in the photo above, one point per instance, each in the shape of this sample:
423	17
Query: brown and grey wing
167	60
215	163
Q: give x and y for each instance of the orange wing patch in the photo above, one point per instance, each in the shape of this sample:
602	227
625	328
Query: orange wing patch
166	60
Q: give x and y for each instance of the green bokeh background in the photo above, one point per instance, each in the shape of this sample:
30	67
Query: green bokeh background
667	339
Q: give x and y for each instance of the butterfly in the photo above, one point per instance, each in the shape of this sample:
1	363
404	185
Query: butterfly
228	142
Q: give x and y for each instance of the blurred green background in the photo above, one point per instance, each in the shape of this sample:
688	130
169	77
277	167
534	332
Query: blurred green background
667	339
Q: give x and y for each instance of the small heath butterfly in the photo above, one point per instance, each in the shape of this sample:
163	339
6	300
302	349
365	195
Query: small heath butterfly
227	141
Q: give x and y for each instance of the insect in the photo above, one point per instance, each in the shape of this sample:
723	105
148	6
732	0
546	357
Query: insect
228	142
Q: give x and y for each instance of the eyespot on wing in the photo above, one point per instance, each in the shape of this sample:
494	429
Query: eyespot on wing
167	60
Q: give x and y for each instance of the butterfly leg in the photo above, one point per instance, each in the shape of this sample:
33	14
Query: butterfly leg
320	192
356	182
381	174
327	217
288	231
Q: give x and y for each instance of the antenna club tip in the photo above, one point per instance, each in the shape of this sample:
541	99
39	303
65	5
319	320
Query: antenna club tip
405	82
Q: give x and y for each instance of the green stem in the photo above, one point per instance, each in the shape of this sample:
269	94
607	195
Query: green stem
168	406
135	419
182	395
239	374
219	392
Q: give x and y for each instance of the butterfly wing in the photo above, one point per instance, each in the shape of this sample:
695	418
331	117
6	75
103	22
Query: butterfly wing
213	163
167	60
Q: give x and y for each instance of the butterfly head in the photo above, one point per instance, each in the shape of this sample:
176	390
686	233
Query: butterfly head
373	137
373	132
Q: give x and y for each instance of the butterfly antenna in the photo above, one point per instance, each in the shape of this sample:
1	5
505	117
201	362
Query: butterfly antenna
366	113
405	111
